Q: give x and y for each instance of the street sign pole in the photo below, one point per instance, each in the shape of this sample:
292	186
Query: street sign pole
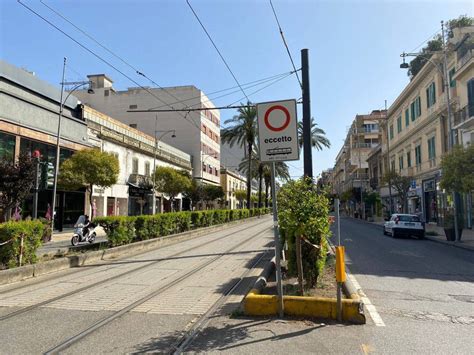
277	245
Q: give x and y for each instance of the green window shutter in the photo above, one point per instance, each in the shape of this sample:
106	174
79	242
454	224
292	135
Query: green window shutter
452	83
428	97
418	106
434	93
407	117
412	109
399	124
391	131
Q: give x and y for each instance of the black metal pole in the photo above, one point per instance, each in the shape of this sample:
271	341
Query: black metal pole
307	158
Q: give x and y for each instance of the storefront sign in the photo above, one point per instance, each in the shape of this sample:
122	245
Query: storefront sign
429	185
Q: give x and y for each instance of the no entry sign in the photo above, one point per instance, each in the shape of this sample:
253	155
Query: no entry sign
278	131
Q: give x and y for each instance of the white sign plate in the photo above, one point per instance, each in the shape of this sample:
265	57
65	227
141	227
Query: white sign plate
278	131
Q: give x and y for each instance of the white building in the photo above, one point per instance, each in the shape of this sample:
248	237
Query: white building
135	150
196	132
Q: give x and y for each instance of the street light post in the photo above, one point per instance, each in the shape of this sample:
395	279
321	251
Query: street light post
445	76
154	157
58	136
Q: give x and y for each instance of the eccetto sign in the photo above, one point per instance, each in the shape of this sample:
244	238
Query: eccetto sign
278	131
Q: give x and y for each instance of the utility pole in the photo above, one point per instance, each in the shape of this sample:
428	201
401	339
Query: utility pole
307	158
451	131
388	160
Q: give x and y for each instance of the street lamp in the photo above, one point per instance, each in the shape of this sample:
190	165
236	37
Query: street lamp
163	133
77	84
445	76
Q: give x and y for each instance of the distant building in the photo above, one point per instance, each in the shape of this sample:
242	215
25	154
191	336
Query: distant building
29	109
231	182
196	132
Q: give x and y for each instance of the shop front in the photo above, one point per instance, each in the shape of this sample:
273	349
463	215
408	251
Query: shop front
140	200
430	200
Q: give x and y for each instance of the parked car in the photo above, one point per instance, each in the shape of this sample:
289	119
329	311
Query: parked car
404	224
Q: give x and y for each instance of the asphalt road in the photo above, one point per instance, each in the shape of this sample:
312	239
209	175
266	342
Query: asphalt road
422	292
155	297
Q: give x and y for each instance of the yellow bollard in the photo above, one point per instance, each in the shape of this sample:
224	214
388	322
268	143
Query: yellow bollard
340	266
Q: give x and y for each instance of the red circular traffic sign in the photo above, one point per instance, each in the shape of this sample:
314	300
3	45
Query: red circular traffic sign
285	124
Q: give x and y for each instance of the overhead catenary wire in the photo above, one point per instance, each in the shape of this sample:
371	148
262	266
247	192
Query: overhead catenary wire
246	85
137	71
115	55
101	59
286	44
217	49
426	40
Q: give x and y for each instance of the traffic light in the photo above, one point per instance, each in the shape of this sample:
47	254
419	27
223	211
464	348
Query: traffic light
47	175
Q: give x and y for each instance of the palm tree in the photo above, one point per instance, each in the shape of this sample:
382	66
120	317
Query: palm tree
262	171
318	136
243	132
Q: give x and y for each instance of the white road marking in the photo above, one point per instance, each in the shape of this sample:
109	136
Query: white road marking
368	305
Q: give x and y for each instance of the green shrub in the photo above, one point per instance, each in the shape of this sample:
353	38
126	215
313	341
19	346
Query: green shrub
120	229
127	229
304	212
32	233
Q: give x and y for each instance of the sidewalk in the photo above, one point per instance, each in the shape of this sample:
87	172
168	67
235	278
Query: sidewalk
467	238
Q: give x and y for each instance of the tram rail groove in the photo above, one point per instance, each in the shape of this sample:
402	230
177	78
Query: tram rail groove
108	319
115	277
202	321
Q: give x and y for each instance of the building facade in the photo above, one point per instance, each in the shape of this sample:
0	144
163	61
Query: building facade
195	132
138	155
232	182
29	113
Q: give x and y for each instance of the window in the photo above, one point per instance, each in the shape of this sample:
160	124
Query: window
452	82
132	107
415	108
106	92
135	166
147	168
7	146
392	165
430	95
470	97
418	155
399	124
407	117
203	167
400	162
408	159
133	125
391	131
431	148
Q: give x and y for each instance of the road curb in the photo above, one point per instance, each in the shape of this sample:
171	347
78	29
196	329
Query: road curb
256	304
69	261
452	244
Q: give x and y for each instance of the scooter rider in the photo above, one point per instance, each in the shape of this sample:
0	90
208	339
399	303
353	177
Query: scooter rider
85	229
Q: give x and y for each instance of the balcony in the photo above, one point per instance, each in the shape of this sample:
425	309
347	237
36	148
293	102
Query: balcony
141	181
464	118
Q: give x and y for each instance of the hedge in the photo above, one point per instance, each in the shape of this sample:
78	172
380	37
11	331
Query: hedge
11	233
124	229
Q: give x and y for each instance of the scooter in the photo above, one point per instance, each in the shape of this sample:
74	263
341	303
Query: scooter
79	236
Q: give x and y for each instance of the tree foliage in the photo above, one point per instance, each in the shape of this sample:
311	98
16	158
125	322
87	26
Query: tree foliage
243	132
171	181
304	212
89	167
461	21
436	44
400	183
16	181
213	192
318	136
458	169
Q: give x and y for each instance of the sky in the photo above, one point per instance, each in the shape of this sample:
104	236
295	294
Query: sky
354	49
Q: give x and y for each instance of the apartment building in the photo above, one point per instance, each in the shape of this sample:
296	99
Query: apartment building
195	132
418	127
138	154
351	167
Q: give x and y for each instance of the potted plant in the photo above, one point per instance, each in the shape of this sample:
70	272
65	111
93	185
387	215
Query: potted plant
448	226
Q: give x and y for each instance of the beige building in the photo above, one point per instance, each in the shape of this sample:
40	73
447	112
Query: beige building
418	128
351	170
231	182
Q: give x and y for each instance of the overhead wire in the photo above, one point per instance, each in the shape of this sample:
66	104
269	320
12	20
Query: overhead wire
247	85
426	40
217	49
285	44
118	57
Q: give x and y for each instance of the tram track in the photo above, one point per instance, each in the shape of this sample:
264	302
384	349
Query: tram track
120	275
110	318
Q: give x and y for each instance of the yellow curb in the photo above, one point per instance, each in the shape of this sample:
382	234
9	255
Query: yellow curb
318	307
